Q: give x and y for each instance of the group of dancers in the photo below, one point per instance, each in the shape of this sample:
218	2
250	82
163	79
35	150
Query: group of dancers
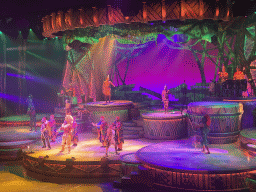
49	131
110	134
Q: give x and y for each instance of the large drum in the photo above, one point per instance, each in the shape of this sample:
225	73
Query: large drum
225	119
158	125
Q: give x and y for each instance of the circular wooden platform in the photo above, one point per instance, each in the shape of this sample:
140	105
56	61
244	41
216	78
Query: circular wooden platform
179	165
160	125
109	110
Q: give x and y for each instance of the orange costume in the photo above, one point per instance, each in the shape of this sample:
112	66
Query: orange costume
106	88
239	75
223	76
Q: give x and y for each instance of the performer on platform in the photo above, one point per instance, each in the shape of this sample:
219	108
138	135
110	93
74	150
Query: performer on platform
239	75
66	127
31	112
101	129
106	89
204	130
165	98
119	138
45	133
223	76
74	132
52	125
111	138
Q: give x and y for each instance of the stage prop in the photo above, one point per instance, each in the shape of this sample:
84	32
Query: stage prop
158	125
179	165
129	164
109	110
72	169
249	106
225	119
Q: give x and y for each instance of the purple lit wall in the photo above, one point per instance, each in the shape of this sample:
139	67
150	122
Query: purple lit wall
159	65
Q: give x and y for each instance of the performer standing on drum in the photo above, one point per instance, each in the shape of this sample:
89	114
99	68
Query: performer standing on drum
101	129
66	127
204	130
45	133
106	89
165	98
111	138
119	138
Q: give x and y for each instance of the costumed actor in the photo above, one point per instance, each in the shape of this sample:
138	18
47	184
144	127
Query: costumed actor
66	127
101	129
111	139
74	132
204	130
45	133
106	89
31	112
165	98
119	138
52	124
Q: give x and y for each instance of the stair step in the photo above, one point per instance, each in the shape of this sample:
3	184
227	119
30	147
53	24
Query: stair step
131	136
132	132
133	128
129	124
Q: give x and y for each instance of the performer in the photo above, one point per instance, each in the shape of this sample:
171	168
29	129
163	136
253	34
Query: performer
239	75
204	130
111	138
68	107
66	127
31	112
106	89
45	133
119	138
165	98
52	124
223	76
101	129
74	132
212	88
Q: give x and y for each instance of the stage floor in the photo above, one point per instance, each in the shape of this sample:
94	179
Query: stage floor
88	149
181	155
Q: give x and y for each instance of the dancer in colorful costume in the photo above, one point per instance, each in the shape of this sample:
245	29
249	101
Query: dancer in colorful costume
101	129
165	98
111	139
52	124
67	135
45	134
119	138
74	132
204	130
31	112
106	89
